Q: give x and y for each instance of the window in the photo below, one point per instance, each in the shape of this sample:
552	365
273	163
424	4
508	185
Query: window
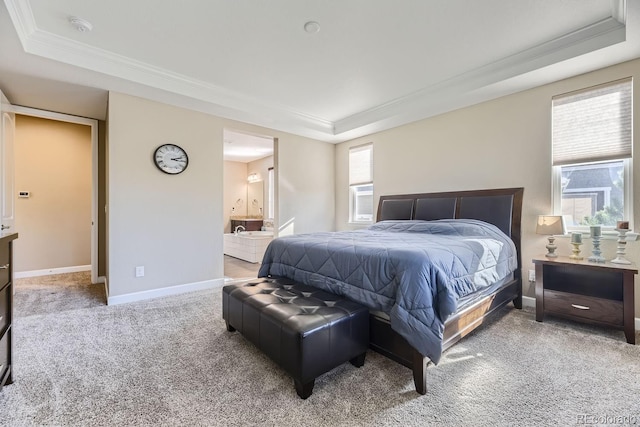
271	194
361	183
592	147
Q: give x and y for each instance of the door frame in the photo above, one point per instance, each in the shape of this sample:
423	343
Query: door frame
93	124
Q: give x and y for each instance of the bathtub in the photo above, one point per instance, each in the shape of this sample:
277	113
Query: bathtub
256	234
247	245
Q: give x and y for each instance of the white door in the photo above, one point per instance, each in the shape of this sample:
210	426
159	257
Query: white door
7	187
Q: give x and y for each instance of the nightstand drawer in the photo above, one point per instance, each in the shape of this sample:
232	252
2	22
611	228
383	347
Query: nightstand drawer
5	297
585	307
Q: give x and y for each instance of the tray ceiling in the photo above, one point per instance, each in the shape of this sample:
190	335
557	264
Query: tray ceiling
371	66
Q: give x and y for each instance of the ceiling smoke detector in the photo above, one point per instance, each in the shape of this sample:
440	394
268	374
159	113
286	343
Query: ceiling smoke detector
312	27
80	24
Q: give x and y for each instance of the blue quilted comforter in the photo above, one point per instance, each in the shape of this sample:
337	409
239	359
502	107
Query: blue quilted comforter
415	271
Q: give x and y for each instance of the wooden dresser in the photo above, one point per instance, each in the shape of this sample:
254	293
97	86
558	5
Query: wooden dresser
6	306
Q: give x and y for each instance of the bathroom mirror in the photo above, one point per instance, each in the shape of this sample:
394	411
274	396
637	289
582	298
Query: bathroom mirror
255	198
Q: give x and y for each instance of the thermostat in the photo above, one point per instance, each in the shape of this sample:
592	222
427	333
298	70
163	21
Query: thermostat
24	194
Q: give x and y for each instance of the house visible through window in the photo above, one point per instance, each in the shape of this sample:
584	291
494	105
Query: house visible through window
361	183
592	148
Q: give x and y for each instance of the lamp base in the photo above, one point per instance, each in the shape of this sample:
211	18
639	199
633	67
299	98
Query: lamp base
551	248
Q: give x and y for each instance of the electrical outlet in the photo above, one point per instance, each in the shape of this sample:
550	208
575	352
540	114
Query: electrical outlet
532	275
140	271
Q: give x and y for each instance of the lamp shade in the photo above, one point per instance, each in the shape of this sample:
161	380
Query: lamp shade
550	225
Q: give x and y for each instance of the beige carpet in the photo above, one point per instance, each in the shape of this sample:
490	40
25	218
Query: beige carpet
170	362
57	293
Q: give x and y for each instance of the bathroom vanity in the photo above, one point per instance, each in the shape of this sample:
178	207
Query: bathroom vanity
249	224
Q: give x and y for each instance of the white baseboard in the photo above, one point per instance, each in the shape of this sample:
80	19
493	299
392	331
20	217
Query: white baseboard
528	302
531	302
163	292
48	271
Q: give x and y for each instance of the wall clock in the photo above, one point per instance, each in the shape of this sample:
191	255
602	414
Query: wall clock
171	159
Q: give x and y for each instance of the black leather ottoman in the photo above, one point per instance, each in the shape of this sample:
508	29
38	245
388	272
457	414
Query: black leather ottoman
303	329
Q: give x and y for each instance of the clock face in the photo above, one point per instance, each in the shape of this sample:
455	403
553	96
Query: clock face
170	159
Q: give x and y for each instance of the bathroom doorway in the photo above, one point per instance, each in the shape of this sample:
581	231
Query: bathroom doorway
249	201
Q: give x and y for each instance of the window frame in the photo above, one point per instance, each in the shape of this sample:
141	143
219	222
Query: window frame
626	158
353	202
353	186
627	207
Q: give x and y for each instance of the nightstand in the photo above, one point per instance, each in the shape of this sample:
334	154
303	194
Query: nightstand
597	293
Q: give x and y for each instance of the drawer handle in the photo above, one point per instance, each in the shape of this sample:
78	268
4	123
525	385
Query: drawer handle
580	307
4	267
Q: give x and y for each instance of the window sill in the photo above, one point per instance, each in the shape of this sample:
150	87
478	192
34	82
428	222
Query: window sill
360	224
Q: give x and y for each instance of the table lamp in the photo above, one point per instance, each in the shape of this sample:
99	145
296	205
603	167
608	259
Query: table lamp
550	225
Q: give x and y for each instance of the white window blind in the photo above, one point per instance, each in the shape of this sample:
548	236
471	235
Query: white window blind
361	183
361	164
593	124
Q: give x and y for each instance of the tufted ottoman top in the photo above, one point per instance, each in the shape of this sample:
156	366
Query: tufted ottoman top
296	306
305	330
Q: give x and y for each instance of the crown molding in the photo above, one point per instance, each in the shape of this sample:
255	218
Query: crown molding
601	34
61	49
619	10
22	18
69	51
428	101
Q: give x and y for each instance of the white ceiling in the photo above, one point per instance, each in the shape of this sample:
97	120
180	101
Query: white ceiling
245	148
373	65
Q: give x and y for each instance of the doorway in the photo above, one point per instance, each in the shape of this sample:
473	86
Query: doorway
89	188
249	201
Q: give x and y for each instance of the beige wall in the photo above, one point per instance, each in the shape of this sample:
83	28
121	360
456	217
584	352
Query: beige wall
260	167
235	191
500	143
305	180
173	225
236	202
305	183
53	163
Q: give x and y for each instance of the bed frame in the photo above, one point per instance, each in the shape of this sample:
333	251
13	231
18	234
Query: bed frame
501	207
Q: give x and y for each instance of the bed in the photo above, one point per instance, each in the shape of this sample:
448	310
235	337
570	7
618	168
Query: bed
430	270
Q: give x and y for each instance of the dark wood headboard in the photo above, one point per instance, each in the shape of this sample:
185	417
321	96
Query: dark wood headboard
500	207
